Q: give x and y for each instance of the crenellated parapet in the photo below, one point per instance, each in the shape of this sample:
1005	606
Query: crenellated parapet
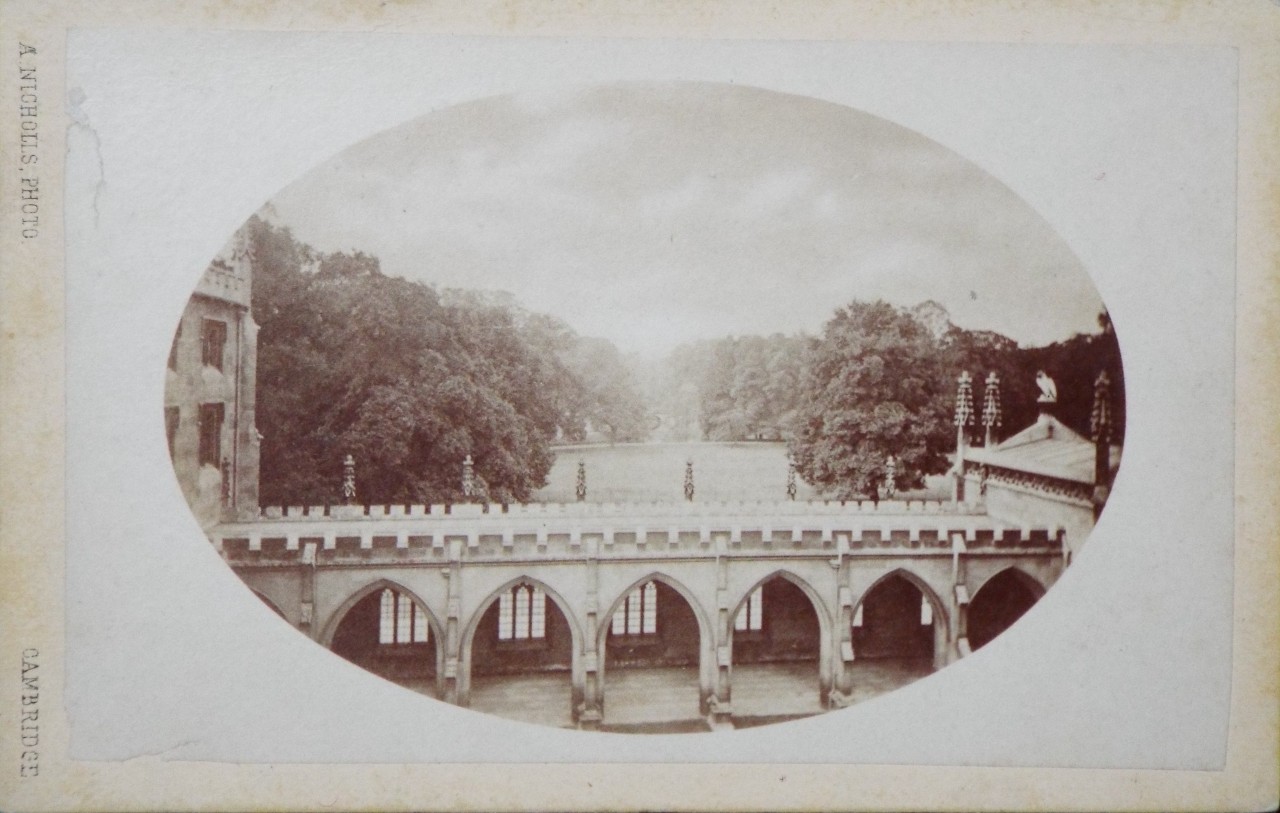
753	509
349	535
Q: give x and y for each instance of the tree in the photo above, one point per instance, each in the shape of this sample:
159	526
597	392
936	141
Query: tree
353	361
874	384
610	400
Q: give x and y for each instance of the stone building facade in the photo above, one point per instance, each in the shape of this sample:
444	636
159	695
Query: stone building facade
209	393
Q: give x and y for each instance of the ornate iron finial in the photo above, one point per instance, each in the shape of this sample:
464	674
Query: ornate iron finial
1100	419
580	489
964	401
890	478
688	480
992	416
468	478
791	477
349	479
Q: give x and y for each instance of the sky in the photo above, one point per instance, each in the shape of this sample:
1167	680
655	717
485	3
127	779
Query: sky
654	214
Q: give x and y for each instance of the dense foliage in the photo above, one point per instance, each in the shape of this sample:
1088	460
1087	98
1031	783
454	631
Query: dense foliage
875	384
880	380
411	381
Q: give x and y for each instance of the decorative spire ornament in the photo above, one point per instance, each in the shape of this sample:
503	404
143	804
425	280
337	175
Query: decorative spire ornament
580	489
964	408
890	478
791	477
688	480
964	401
963	419
991	413
349	479
468	478
1100	422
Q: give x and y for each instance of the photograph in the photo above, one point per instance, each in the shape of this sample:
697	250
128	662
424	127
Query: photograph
639	406
647	407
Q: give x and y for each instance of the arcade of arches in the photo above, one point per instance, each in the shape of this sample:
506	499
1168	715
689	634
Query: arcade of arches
522	650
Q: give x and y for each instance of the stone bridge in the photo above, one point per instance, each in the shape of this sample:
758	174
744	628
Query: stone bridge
457	563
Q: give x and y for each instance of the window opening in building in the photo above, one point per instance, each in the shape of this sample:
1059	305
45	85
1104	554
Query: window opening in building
211	417
213	341
638	613
171	425
401	621
751	617
926	612
522	614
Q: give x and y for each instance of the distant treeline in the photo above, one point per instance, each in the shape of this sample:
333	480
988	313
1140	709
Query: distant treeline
411	380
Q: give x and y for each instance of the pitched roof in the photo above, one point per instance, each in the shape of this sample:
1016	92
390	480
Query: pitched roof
1048	447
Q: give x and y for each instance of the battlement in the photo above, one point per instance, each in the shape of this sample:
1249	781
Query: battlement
783	508
347	534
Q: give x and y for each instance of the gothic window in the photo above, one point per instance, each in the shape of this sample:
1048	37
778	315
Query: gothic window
211	417
926	612
522	614
638	613
213	342
751	617
401	621
170	425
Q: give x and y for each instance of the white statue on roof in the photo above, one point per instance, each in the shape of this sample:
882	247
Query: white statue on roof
1048	389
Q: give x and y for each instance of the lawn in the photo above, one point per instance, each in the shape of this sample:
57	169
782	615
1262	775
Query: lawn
654	472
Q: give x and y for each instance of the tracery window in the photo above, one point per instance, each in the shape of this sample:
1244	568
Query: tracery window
401	621
638	613
751	617
522	614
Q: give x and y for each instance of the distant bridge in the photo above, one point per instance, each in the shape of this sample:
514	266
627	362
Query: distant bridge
469	569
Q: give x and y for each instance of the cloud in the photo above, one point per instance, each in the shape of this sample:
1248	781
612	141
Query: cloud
652	214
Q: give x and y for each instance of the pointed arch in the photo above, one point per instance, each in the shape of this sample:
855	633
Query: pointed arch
705	649
704	623
271	604
565	608
819	609
742	659
940	614
1024	578
335	619
998	604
